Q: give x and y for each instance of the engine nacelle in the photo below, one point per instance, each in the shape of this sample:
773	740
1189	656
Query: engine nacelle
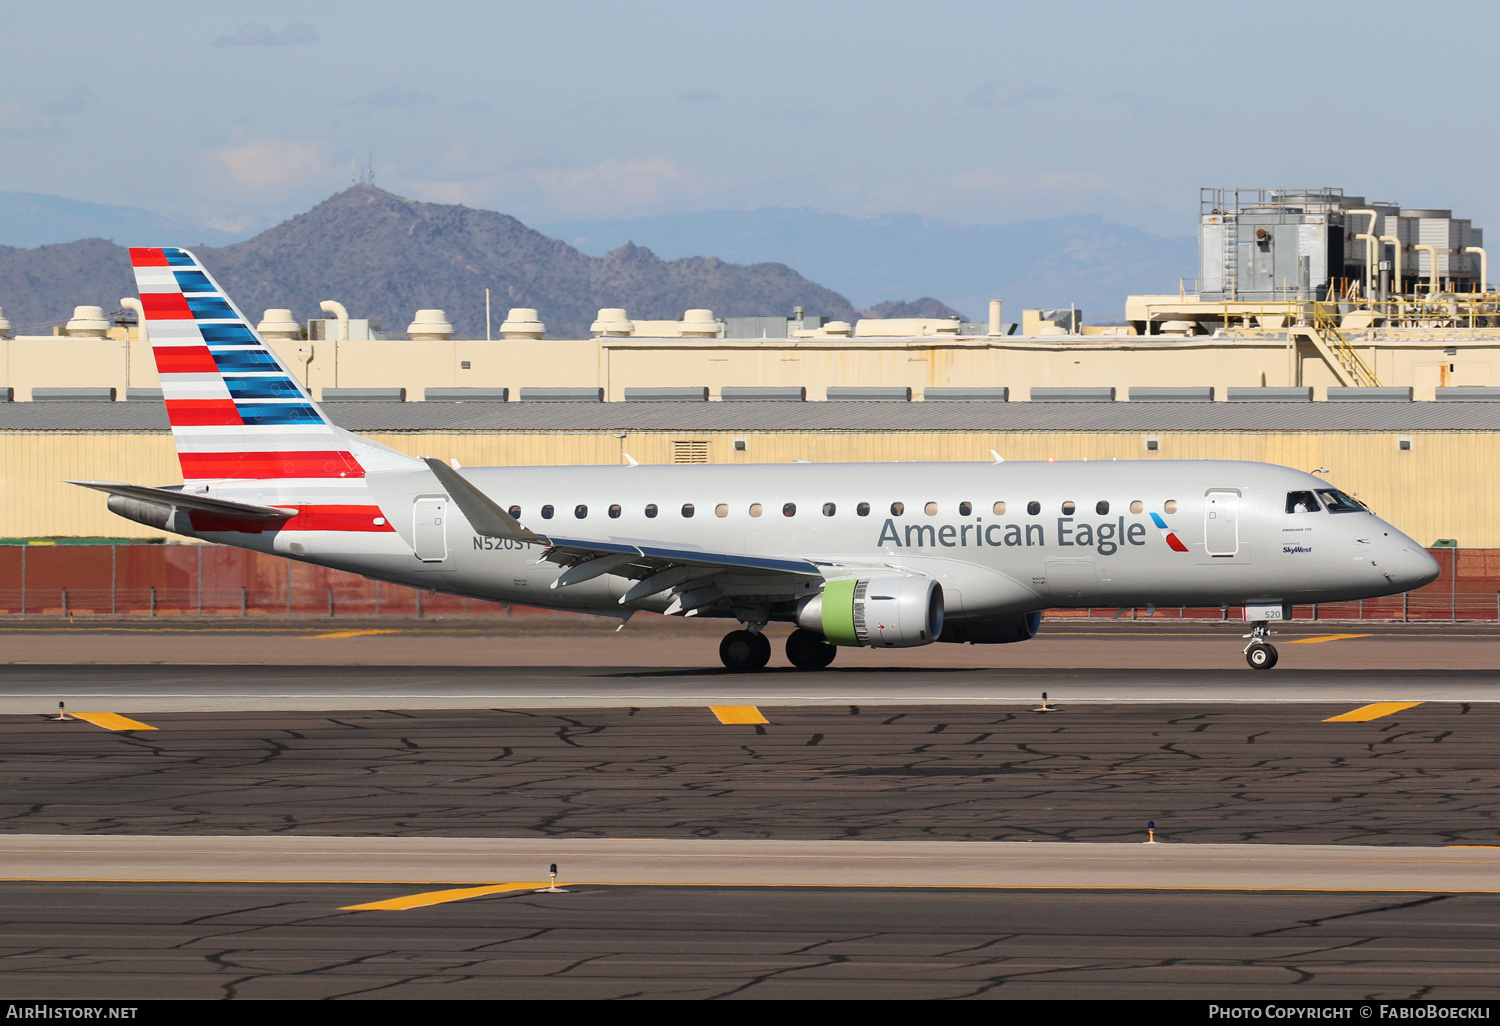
998	630
894	611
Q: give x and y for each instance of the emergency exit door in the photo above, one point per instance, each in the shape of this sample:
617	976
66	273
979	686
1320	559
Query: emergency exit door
430	530
1221	522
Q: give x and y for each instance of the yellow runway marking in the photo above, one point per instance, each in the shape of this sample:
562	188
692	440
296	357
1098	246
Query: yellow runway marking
352	634
439	897
737	714
1366	713
1326	637
111	721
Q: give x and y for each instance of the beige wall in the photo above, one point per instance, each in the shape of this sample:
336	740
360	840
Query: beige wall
616	364
1431	492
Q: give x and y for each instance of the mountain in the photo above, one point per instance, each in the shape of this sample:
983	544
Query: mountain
924	307
39	287
385	257
1049	263
32	219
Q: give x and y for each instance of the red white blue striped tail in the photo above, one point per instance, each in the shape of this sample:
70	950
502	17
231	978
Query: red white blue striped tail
237	413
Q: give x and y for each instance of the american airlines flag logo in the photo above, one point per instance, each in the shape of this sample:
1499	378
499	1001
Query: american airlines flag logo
1173	542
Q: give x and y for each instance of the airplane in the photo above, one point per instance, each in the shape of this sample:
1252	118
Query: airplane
887	555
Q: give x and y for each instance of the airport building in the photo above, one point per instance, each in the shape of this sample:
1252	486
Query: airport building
1324	331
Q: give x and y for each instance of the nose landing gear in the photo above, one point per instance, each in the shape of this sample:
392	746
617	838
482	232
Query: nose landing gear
1260	653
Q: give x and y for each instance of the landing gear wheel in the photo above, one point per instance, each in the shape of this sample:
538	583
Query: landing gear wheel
742	651
1261	656
809	650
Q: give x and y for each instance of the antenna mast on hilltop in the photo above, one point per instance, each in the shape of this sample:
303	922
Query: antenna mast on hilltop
363	175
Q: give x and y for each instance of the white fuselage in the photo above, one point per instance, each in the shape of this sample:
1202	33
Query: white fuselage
1000	538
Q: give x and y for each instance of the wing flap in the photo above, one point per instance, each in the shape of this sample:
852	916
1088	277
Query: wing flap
573	549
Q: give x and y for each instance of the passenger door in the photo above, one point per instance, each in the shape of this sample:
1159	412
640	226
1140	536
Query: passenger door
1221	522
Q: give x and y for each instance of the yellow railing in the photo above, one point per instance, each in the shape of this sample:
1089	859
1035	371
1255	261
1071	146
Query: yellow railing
1326	318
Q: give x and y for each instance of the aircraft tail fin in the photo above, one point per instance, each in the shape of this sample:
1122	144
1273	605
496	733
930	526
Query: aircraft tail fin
237	412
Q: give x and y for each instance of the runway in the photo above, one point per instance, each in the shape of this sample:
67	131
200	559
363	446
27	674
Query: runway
141	689
127	942
235	827
1231	772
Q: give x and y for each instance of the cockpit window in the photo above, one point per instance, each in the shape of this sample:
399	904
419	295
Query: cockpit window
1301	502
1338	502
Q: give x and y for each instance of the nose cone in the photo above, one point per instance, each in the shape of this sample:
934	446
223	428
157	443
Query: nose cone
1417	567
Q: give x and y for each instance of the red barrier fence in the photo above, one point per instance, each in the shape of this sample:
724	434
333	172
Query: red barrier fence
172	580
209	580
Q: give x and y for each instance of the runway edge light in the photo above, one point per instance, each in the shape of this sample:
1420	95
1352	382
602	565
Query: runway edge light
1151	831
552	887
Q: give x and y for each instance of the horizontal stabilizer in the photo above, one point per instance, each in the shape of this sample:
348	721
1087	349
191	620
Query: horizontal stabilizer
189	500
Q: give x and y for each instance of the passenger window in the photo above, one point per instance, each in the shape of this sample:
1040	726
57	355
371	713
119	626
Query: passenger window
898	508
829	509
1101	508
721	510
515	511
1170	506
863	509
547	512
580	511
965	508
999	508
650	509
614	512
1301	502
789	510
687	509
930	509
1338	502
1033	507
1068	508
756	509
1137	505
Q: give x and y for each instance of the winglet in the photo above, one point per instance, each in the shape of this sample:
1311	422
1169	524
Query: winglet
485	516
998	457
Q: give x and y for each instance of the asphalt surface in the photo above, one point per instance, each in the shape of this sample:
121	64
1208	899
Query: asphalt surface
295	744
142	690
589	644
1204	773
139	941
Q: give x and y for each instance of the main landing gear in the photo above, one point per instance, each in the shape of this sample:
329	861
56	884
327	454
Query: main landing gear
745	651
748	651
809	649
1260	653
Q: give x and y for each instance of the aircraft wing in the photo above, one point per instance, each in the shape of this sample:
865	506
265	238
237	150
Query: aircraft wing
189	500
569	550
696	578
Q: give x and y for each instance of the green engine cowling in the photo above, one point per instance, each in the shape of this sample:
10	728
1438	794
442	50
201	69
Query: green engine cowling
892	611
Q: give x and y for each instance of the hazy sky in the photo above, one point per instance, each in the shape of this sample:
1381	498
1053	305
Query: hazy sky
243	113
